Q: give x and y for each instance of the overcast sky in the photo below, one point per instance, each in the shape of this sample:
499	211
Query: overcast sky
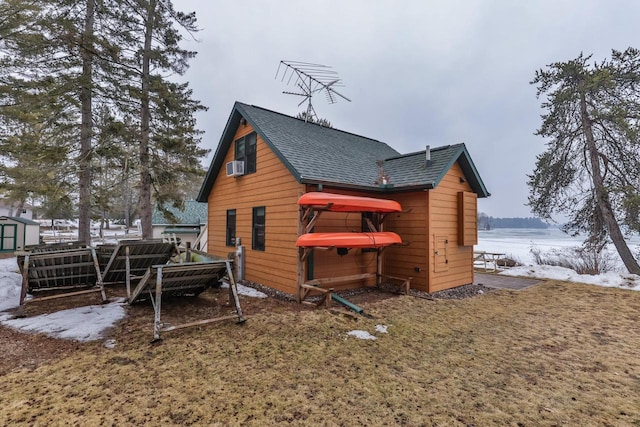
418	72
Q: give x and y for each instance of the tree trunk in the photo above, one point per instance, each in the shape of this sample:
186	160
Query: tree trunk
145	116
604	204
84	161
19	208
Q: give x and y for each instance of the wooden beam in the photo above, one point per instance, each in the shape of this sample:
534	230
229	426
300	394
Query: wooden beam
329	280
198	323
157	306
127	278
315	288
67	294
312	223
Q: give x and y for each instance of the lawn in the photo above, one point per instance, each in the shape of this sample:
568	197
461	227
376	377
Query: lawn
553	354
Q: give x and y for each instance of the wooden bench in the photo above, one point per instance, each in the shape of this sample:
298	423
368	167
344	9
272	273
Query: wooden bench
401	285
185	279
61	270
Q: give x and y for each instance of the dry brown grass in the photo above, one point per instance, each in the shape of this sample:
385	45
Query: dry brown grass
553	354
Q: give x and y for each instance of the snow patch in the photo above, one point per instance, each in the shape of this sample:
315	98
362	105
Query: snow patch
610	279
246	291
382	329
79	324
363	335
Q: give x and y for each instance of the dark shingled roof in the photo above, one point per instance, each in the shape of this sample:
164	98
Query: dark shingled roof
25	221
320	155
194	213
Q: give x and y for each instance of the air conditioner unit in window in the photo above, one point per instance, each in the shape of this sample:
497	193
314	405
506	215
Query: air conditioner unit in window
235	168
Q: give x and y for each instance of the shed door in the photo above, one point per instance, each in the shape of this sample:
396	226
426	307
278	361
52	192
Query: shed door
8	234
441	261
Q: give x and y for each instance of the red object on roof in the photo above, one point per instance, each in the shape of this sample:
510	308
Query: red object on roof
349	240
342	203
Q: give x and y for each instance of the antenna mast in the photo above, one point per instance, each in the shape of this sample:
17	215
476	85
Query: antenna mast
310	79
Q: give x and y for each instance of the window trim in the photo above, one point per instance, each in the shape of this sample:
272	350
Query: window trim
255	225
230	240
249	157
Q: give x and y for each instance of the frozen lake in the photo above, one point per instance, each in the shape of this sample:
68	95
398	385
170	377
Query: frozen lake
517	243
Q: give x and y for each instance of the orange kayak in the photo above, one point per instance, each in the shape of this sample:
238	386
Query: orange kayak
342	203
349	240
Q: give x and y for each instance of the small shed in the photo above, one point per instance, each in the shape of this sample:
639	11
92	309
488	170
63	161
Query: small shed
16	233
186	225
7	208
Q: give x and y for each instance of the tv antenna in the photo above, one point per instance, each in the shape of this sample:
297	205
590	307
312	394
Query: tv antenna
310	79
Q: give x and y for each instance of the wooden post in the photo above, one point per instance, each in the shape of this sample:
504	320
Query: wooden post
127	264
158	305
25	284
187	255
301	264
99	275
233	292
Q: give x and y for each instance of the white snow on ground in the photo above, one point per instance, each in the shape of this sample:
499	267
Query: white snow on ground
78	324
10	284
382	329
246	291
611	280
363	335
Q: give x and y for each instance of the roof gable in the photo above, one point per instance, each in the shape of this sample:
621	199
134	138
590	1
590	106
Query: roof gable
410	170
315	154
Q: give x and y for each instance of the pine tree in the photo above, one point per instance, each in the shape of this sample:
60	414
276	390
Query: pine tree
591	166
63	60
47	68
168	139
35	126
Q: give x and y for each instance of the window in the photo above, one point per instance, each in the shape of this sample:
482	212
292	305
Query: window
231	227
258	237
246	152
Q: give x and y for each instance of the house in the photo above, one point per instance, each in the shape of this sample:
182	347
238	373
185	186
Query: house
16	233
266	160
10	209
186	225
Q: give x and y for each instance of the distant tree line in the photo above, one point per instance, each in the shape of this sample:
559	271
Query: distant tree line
93	121
486	222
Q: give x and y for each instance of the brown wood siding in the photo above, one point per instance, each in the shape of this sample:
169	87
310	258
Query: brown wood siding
273	187
443	228
409	260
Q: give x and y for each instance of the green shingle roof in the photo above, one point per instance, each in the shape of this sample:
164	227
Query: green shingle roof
321	155
194	213
25	221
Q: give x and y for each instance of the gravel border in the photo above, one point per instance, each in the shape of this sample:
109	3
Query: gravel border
460	292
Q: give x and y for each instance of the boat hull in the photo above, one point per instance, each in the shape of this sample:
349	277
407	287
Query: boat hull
349	240
342	203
